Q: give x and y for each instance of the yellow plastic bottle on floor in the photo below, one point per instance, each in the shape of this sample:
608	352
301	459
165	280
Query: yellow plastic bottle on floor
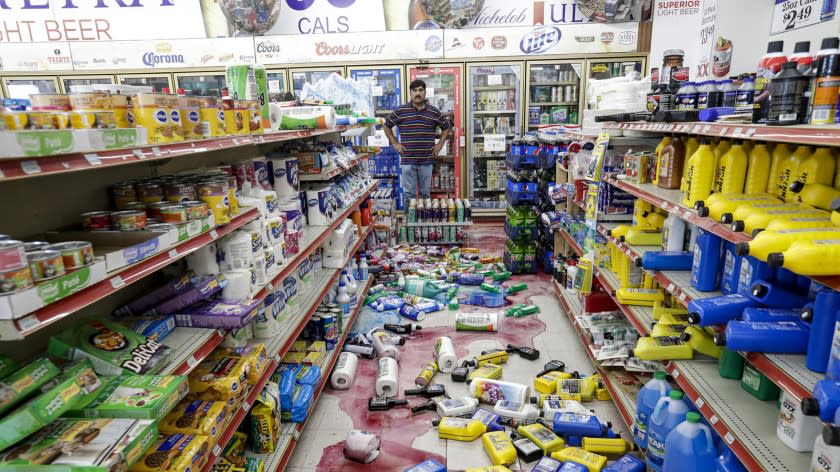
789	171
593	462
723	206
766	241
815	195
809	257
460	429
607	446
499	448
758	169
812	222
720	149
547	383
486	371
818	168
584	387
701	341
700	174
731	170
643	237
639	296
666	140
759	221
661	348
780	152
543	437
691	145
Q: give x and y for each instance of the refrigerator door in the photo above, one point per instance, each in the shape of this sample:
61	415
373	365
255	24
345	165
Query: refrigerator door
302	76
386	86
443	90
158	82
22	87
613	67
277	86
67	83
204	84
494	117
554	93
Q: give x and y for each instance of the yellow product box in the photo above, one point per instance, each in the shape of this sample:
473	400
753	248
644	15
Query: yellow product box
189	112
175	453
254	113
152	112
265	420
298	346
313	358
204	417
211	116
219	379
293	358
317	346
255	356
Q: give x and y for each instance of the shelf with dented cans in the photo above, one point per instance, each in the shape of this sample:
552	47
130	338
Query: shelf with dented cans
47	152
747	425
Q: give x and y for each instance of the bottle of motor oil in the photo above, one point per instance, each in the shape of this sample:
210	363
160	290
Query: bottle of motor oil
666	140
758	384
668	413
547	383
793	428
759	221
753	270
768	67
668	315
555	405
745	96
826	449
767	242
643	236
783	337
673	233
517	411
700	174
661	348
818	168
487	371
701	341
593	462
774	314
704	89
729	93
789	171
687	96
787	95
812	222
460	429
815	195
666	260
691	146
731	268
543	437
547	464
808	257
626	463
705	270
499	448
748	209
722	209
758	169
780	151
731	170
582	387
731	365
824	401
717	310
826	90
491	420
574	424
646	401
690	447
719	149
607	446
771	294
802	56
639	296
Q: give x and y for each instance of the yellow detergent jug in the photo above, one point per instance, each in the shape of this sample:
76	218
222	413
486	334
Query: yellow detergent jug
607	446
593	462
789	171
460	429
731	170
660	329
629	275
639	296
680	318
584	387
815	195
758	169
814	257
806	222
643	237
701	341
543	437
548	383
665	141
745	211
499	448
766	241
818	168
654	219
728	205
759	221
700	174
661	348
719	150
691	146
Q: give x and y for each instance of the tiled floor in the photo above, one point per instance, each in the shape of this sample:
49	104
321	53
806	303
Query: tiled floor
407	439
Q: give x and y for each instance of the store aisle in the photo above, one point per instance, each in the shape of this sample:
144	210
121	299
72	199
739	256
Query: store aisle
408	439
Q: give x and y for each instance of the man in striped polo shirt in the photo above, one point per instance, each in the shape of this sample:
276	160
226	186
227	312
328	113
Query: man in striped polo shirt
418	122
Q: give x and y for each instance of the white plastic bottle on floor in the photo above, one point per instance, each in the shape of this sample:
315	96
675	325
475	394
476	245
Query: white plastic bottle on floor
826	454
796	430
673	233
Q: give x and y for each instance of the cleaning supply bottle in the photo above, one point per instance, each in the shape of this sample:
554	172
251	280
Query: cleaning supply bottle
517	411
780	152
343	299
717	310
593	462
808	257
460	429
490	391
363	269
671	162
666	260
705	269
666	140
783	337
646	401
689	447
673	233
727	461
626	463
789	171
731	170
758	169
793	428
731	268
700	174
822	318
766	242
815	195
826	449
543	437
669	412
499	448
661	348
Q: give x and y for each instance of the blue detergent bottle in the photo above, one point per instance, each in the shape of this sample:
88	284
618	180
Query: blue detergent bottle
665	260
824	402
718	310
731	269
705	268
689	447
728	462
574	424
783	337
669	412
772	294
822	317
646	401
832	371
753	269
771	314
626	463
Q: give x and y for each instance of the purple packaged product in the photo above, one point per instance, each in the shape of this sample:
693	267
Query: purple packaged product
171	289
202	288
220	313
261	172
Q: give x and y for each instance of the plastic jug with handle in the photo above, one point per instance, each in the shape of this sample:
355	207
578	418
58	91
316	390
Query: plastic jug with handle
689	447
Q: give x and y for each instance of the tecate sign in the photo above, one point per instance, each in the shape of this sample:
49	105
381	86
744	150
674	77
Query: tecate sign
540	40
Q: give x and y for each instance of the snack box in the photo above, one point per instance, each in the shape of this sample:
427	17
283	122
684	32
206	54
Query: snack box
298	346
200	289
175	453
204	417
154	327
220	313
84	445
113	348
7	366
255	356
18	386
293	358
243	464
134	396
265	420
219	379
66	391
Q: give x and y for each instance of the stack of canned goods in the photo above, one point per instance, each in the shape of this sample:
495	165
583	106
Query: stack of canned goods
439	210
432	234
23	264
325	325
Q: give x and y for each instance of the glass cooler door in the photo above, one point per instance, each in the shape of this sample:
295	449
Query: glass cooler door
554	93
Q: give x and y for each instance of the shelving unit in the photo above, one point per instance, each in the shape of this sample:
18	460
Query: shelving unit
334	171
813	135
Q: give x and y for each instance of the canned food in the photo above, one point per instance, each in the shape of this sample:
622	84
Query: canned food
152	112
159	227
215	195
15	279
45	265
120	105
254	114
33	246
15	120
150	192
180	191
48	120
93	119
212	117
236	116
50	102
90	101
196	210
189	112
12	254
128	220
75	254
233	200
174	214
96	221
153	209
124	193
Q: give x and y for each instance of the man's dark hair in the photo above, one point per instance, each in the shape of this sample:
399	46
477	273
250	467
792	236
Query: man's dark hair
416	83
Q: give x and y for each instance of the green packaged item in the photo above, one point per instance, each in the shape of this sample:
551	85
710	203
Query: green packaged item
73	384
758	384
98	445
7	366
501	276
528	310
453	304
17	387
514	309
134	396
114	349
517	287
731	365
490	288
376	296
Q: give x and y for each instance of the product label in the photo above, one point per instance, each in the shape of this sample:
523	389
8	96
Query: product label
751	379
656	449
543	435
787	419
668	340
455	422
526	446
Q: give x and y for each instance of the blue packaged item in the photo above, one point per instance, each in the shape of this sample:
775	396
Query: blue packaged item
666	260
574	424
731	269
689	447
487	299
547	464
646	401
428	465
308	375
806	286
626	463
771	314
669	412
301	399
728	462
491	420
718	310
783	337
391	302
574	441
753	269
824	402
832	370
287	386
772	294
155	328
470	279
823	319
570	466
705	268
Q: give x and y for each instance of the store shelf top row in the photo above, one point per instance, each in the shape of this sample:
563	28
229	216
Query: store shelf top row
806	134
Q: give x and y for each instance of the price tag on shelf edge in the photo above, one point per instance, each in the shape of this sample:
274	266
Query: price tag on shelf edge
93	159
494	143
378	139
30	167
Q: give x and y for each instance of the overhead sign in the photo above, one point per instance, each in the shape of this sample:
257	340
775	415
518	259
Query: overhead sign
35	57
375	46
328	16
162	54
589	38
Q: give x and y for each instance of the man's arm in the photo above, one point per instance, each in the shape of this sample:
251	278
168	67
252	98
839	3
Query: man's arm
393	139
444	135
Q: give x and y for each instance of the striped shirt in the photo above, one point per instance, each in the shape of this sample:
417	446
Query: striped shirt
417	131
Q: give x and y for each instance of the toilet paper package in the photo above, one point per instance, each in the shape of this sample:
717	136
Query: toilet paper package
260	165
203	261
265	324
320	207
277	229
235	251
280	253
285	175
238	285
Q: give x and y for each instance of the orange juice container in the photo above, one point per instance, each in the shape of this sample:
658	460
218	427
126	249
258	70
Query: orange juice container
152	112
189	113
211	116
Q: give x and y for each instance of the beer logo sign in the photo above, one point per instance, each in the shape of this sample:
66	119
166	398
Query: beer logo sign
478	43
540	40
607	37
498	42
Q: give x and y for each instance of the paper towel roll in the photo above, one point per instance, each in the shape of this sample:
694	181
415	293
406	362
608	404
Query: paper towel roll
265	324
345	371
271	203
258	274
285	174
261	175
235	251
238	285
203	261
279	252
361	446
387	384
445	354
276	229
319	117
384	349
320	206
